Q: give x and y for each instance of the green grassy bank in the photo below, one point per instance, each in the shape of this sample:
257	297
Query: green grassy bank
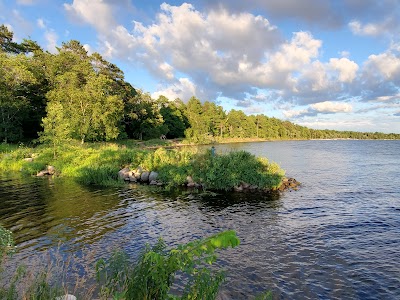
99	163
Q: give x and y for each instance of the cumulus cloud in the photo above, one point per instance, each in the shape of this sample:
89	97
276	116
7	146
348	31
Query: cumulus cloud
225	53
326	107
97	13
182	89
51	39
50	35
310	11
390	26
380	76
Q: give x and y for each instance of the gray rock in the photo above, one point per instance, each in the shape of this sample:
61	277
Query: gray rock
245	185
66	297
153	176
42	173
238	188
145	176
123	173
189	179
51	170
132	179
191	184
153	182
138	172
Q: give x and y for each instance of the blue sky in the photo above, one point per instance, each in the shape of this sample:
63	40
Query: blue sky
331	64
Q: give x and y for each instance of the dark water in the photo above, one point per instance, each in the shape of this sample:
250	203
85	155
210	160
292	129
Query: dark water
338	237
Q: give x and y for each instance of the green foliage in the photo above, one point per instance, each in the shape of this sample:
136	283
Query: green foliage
226	171
154	273
6	241
15	76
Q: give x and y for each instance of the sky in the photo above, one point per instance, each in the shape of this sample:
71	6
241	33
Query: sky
324	64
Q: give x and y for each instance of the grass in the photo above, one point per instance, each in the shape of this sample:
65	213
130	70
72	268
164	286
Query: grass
99	163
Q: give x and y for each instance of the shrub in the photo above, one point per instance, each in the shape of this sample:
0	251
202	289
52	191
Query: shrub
227	171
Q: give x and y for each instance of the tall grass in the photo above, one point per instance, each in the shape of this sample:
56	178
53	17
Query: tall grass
98	163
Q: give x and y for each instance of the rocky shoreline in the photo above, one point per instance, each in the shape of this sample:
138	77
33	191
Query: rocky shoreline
138	175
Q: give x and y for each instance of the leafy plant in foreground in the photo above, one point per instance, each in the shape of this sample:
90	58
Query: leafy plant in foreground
155	271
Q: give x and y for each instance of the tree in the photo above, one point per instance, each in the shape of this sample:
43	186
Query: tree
6	41
91	109
142	117
173	117
214	117
56	126
14	78
198	131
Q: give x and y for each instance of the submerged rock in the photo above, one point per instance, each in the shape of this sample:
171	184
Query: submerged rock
289	183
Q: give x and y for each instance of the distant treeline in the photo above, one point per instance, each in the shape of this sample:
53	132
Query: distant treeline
73	95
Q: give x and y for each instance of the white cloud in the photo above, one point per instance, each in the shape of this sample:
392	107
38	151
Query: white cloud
183	89
88	49
386	26
347	69
326	107
41	23
97	13
368	29
331	107
387	64
51	39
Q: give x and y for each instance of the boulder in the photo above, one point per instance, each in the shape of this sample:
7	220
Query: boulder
238	188
51	170
138	172
153	182
145	176
245	185
132	178
66	297
123	173
191	184
42	173
153	176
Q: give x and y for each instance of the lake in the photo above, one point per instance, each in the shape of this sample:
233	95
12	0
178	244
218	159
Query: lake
337	237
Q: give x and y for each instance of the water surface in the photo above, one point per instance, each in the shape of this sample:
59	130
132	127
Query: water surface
338	237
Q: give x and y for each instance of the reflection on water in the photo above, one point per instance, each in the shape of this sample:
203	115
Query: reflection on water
337	237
